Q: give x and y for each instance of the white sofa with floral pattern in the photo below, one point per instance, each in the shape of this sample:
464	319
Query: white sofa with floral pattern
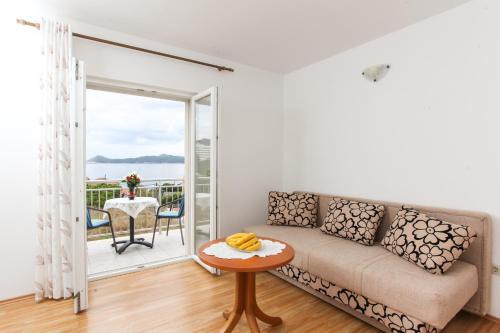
381	288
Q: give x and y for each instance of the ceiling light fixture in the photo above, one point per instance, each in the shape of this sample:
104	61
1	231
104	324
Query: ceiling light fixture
376	72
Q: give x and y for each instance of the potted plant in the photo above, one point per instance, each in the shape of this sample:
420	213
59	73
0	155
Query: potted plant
133	180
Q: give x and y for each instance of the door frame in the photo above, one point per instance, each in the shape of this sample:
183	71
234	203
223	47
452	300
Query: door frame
104	84
100	83
78	132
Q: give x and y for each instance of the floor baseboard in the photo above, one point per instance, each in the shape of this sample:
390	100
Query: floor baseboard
17	299
492	318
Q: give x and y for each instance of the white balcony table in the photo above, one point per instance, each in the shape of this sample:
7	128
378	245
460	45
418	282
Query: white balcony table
132	208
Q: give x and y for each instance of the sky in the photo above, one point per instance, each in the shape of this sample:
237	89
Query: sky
121	125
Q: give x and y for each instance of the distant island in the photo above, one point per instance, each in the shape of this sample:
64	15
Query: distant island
163	158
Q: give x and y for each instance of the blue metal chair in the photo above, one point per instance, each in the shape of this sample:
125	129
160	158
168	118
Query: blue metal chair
169	215
98	223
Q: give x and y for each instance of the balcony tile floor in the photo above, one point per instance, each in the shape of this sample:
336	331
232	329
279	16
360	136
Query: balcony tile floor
103	258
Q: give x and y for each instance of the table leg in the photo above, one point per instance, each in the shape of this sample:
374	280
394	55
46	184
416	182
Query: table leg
252	306
132	239
131	228
234	315
245	300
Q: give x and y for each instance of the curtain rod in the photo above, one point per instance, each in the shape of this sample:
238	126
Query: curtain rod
131	47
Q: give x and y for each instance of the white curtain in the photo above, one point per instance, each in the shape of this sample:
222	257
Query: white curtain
53	271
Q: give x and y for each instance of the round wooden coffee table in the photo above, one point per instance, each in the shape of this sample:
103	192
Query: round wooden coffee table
245	269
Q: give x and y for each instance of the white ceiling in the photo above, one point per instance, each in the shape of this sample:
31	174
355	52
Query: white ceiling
277	35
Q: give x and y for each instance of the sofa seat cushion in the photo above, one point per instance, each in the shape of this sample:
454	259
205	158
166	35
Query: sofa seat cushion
379	275
337	259
303	240
434	299
343	262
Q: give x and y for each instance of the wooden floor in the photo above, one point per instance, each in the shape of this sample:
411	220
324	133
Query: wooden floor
186	298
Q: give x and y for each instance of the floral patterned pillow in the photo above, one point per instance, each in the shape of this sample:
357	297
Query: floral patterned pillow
293	209
357	221
426	241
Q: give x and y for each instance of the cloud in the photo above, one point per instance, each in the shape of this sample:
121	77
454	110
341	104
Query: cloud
120	125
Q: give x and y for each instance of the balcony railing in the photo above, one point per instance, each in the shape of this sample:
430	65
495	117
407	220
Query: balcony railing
98	191
164	190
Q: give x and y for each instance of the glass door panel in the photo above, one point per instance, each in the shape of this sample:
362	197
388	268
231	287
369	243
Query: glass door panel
204	171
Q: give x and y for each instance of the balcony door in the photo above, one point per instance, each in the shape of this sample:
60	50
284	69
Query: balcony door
203	170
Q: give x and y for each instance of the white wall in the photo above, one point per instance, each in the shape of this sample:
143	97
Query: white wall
19	141
250	132
425	134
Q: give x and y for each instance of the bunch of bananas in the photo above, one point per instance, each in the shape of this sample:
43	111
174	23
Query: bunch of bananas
244	241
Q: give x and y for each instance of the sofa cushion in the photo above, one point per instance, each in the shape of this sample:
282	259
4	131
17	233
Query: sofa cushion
357	221
434	299
304	240
342	262
293	209
428	242
379	275
336	258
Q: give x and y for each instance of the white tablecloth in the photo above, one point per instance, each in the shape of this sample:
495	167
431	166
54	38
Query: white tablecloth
131	207
224	251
